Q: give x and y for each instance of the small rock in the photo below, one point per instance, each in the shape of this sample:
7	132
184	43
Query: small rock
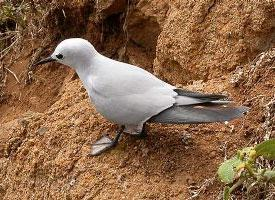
72	182
23	122
186	138
42	130
212	154
120	178
34	101
190	181
136	163
145	152
123	164
77	122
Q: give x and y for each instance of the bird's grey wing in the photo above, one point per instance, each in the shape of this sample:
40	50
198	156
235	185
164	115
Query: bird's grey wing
200	113
186	97
194	107
209	97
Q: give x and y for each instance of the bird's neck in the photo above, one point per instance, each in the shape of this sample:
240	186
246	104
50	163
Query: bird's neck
84	71
86	75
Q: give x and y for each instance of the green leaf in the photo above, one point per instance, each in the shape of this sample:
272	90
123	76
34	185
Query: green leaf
227	170
226	193
266	149
270	175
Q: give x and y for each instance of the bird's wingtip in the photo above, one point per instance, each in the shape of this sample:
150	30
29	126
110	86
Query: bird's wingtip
244	109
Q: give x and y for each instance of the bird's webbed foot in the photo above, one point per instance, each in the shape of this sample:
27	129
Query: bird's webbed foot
105	143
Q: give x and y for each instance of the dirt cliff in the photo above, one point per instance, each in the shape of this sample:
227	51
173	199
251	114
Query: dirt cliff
48	123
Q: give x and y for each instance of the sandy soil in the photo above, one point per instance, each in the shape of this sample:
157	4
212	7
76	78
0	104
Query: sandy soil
48	125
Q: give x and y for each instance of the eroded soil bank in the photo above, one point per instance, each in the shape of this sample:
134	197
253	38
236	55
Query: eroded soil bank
48	123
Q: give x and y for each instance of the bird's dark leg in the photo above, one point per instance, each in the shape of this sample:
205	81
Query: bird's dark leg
105	143
143	134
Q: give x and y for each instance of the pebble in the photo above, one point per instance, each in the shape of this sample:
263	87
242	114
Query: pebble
42	130
72	182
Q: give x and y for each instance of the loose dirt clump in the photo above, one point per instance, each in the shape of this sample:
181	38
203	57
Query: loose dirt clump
47	122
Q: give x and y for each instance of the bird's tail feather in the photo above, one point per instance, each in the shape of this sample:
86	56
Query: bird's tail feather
202	113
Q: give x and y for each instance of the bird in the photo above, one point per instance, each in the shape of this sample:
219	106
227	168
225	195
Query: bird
130	96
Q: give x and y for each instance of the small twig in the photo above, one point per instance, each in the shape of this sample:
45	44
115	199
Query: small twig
196	192
64	14
256	97
7	50
14	75
237	184
9	33
6	37
271	193
8	47
249	188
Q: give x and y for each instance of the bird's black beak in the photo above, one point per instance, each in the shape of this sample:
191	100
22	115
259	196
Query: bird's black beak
43	61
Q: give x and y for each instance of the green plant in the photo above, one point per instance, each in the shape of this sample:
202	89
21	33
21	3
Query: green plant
245	168
12	23
14	12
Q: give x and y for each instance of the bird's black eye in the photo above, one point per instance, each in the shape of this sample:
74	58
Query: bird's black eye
59	56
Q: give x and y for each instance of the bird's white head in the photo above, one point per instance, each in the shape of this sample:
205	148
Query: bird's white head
74	52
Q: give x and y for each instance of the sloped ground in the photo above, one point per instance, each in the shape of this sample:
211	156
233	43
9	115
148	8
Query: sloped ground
47	125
